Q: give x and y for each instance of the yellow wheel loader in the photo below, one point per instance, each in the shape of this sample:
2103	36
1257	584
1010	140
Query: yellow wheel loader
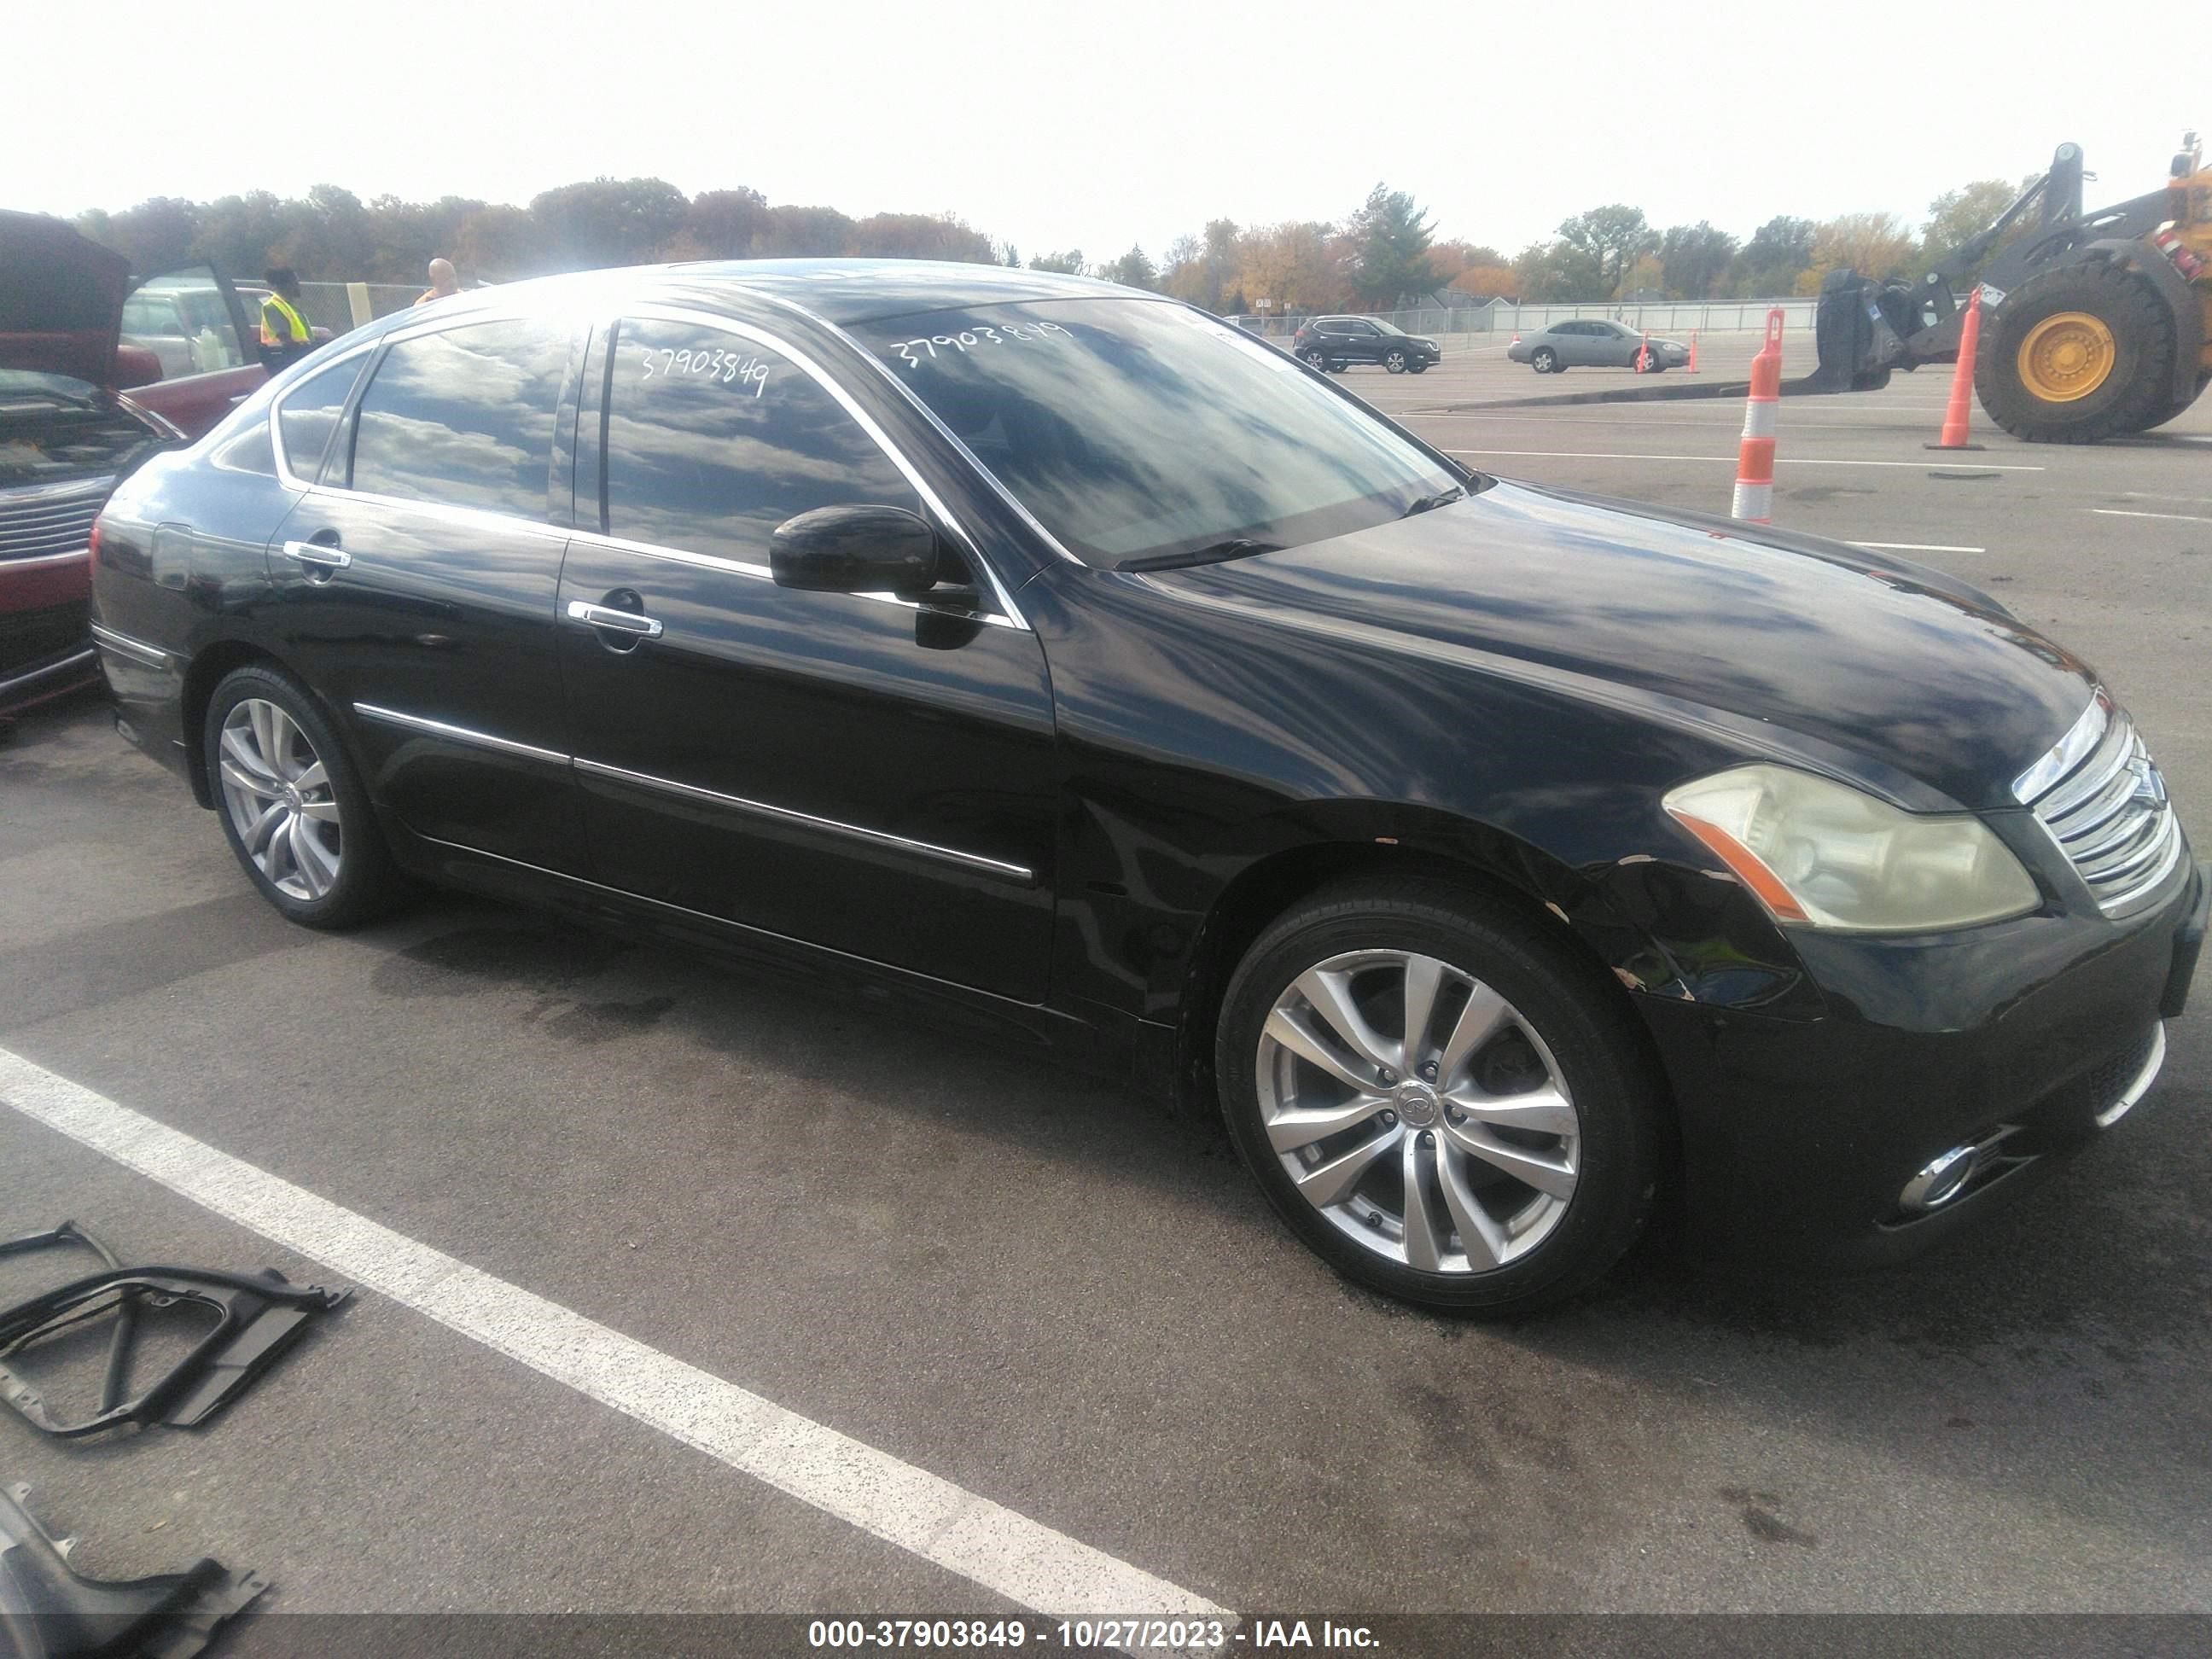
2094	325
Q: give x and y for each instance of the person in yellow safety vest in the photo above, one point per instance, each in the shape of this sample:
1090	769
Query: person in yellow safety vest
285	334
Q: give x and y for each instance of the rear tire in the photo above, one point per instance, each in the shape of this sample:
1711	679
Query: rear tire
1548	1074
1317	362
1544	360
2136	370
1394	362
293	808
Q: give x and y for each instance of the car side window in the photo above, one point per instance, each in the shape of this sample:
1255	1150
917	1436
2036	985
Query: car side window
713	441
464	417
309	412
1363	330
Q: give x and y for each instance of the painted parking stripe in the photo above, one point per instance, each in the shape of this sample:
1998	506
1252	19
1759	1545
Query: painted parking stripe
1915	547
1779	460
2123	512
1009	1554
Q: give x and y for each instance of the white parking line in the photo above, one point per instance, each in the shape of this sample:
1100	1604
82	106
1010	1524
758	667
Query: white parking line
1779	460
2123	512
1009	1554
1915	547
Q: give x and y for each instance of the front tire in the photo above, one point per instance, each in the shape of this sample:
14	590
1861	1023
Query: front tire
292	807
1418	368
2079	353
1499	1158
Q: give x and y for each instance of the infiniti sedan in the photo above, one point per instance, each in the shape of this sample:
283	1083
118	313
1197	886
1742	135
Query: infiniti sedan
1503	864
1595	343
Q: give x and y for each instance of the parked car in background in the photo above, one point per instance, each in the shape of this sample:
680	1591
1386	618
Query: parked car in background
1335	342
1593	342
67	436
1508	866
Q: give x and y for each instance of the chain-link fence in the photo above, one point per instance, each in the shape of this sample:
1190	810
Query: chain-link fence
1470	324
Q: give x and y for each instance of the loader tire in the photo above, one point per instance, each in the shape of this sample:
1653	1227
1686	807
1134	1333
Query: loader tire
2077	355
2180	406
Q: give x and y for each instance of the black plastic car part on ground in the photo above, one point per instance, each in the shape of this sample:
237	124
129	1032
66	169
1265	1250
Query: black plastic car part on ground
249	1320
1527	849
48	1610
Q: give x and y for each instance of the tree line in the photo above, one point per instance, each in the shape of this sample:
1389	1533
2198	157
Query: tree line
1383	254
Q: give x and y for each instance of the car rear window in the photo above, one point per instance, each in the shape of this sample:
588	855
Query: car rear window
464	417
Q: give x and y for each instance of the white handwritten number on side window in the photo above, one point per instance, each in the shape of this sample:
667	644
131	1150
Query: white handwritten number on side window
981	335
727	367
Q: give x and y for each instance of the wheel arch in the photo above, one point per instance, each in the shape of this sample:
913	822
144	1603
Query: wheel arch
1357	840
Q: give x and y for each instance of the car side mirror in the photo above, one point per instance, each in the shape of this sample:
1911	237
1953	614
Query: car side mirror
855	550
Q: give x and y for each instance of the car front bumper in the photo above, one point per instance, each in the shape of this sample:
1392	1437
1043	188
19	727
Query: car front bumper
46	644
1799	1137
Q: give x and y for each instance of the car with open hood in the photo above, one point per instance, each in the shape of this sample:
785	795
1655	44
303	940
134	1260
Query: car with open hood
96	373
1504	865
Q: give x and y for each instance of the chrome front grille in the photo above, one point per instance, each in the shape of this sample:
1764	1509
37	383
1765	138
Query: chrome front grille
36	524
2099	797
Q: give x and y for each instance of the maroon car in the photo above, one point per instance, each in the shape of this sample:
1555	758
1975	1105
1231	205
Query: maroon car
76	336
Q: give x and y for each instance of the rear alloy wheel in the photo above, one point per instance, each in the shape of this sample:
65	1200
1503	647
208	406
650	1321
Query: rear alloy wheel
292	809
1438	1099
1544	360
2081	352
1316	361
1394	360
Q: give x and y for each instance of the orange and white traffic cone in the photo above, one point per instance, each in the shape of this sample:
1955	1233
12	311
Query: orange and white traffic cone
1644	352
1516	340
1956	418
1691	367
1754	457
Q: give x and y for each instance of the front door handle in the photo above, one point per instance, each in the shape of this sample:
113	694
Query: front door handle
316	554
619	622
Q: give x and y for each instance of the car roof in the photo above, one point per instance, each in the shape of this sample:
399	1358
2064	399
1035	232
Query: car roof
838	291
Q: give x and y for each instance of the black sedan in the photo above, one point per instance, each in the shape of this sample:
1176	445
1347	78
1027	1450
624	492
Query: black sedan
1057	660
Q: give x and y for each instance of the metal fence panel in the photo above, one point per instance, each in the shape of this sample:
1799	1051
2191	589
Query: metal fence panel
1472	324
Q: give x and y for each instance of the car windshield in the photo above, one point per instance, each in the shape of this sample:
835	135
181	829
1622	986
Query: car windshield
1139	429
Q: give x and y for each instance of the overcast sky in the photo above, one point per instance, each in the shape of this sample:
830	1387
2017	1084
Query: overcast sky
1099	125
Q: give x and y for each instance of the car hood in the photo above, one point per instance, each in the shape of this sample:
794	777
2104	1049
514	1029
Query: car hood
61	300
1897	675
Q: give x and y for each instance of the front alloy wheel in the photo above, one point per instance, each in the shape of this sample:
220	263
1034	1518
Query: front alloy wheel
277	791
1417	1111
1441	1095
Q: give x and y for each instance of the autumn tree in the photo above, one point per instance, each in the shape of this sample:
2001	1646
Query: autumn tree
1494	280
802	232
1611	239
1556	270
1876	245
920	236
1299	265
1693	258
1769	263
156	235
1958	215
1389	239
608	221
720	224
1069	263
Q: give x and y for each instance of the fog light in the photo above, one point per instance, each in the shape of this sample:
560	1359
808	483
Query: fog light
1941	1180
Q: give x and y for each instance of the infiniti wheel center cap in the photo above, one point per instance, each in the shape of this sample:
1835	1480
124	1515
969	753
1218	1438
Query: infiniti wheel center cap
292	798
1417	1104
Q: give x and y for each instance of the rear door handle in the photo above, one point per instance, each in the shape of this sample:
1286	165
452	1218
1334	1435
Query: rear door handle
620	622
314	553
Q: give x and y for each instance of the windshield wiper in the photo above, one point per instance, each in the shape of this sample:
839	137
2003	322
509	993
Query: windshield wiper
1442	498
1235	548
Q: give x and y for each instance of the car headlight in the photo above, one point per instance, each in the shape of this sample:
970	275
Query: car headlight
1822	854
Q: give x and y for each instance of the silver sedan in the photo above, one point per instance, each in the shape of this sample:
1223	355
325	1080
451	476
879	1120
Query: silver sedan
1593	342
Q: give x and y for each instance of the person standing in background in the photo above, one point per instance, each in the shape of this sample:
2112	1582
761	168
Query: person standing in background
284	335
445	282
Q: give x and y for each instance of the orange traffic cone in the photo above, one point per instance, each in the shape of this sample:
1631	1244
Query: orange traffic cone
1955	417
1754	463
1691	367
1644	352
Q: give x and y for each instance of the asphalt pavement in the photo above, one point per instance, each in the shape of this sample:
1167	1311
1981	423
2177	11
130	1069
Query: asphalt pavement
1072	1314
